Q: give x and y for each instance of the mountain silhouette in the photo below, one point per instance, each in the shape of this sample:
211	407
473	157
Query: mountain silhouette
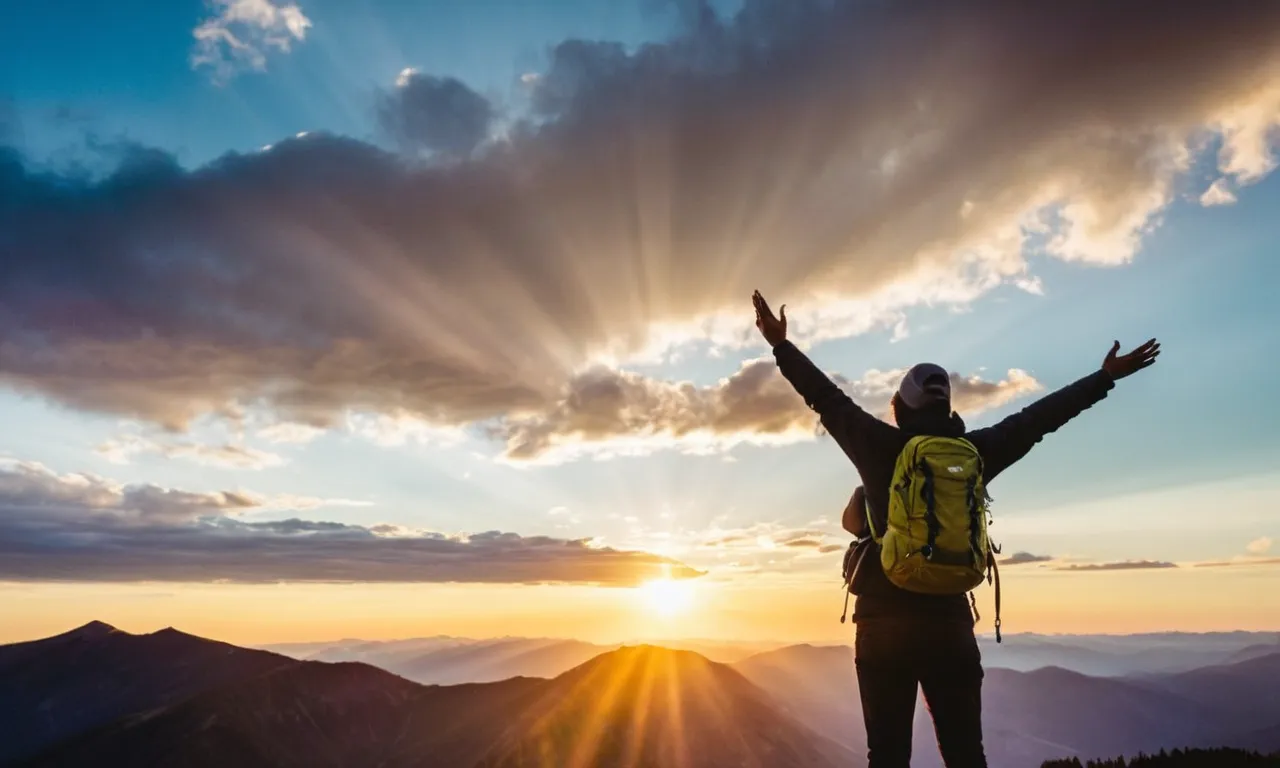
649	706
637	707
62	685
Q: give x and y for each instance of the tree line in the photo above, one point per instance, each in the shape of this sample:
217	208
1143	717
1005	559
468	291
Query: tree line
1222	757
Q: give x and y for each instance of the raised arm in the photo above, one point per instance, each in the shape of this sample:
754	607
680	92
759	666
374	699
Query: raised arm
857	432
1008	441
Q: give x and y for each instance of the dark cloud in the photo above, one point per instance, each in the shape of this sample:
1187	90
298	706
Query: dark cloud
438	114
1024	558
825	151
85	529
1126	565
755	404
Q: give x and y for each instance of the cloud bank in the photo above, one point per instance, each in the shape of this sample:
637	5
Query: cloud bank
86	529
852	159
604	409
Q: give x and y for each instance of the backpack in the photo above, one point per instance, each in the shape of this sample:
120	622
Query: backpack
936	539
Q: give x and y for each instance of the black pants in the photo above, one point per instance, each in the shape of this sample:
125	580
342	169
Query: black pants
941	656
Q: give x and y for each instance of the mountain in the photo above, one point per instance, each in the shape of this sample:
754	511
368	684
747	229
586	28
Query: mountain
308	714
630	708
1123	655
1255	651
446	660
648	706
1046	713
816	685
62	685
498	660
1052	712
379	653
1247	691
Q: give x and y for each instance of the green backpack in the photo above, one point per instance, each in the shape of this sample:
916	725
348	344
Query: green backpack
936	541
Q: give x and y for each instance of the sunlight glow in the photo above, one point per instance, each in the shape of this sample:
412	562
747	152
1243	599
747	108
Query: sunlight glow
667	597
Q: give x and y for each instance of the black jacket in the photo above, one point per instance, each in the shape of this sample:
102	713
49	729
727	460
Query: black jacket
873	447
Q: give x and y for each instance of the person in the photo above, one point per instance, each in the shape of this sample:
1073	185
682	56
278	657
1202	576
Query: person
909	640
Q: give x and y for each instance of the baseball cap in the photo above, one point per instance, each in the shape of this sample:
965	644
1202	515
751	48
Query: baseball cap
923	384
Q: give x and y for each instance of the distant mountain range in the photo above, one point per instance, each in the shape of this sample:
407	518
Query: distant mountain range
634	706
445	660
98	696
448	660
1030	717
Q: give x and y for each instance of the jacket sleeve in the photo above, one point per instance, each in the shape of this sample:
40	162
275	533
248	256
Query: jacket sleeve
1005	443
857	432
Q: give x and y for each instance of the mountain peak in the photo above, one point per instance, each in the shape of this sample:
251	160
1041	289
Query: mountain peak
92	630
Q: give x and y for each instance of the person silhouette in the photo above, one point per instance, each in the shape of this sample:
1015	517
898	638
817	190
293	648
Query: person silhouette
908	641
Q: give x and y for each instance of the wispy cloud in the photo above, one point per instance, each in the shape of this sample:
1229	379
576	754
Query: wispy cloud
85	528
1125	565
1240	561
1259	546
122	450
240	34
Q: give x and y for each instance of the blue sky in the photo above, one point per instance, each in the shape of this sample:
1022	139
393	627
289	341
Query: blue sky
1200	425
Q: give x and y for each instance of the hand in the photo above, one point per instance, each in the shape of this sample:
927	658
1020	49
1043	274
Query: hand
773	330
1127	365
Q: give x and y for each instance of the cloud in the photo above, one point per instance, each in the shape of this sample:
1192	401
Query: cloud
1240	561
239	34
851	159
289	432
606	412
121	450
1218	193
1259	546
1024	558
436	114
1126	565
30	490
85	529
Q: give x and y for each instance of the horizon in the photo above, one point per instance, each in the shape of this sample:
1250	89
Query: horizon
760	645
392	321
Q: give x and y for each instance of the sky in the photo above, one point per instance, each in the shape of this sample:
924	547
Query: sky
385	319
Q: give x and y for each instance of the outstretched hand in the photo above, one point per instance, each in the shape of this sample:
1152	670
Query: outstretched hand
1127	365
773	329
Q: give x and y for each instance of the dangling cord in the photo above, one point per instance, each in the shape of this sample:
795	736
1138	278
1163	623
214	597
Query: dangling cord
848	587
973	605
996	570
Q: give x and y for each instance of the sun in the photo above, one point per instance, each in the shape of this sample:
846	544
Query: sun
667	597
